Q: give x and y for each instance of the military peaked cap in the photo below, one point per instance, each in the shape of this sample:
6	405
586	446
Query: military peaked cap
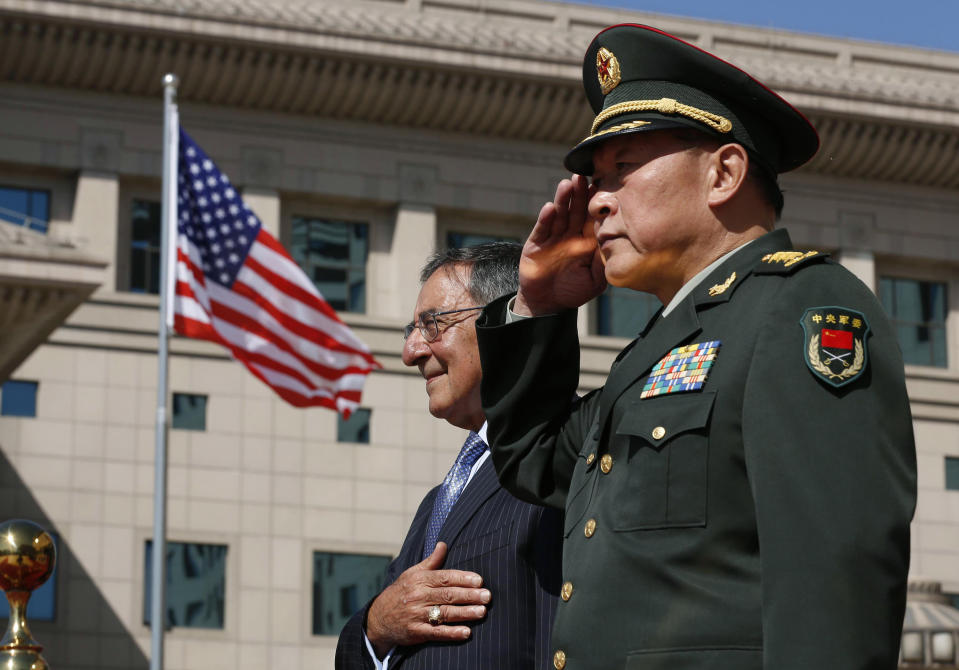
638	79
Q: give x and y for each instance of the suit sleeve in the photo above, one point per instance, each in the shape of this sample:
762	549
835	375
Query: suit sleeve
530	374
832	472
351	650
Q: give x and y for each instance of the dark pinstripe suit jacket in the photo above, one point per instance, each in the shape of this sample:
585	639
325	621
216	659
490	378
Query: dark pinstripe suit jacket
516	547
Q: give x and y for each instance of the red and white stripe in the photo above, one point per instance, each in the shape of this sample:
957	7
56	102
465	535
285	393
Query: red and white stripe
276	323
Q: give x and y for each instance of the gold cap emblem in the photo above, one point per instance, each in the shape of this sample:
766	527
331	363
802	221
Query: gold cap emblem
607	69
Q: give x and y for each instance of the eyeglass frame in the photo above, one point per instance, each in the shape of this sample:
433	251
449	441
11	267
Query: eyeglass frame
430	317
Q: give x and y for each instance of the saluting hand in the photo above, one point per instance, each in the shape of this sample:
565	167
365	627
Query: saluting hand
399	616
561	267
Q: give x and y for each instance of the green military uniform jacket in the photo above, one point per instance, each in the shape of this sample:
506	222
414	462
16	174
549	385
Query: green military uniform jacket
760	520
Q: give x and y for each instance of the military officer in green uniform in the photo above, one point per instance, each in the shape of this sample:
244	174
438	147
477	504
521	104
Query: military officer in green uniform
738	495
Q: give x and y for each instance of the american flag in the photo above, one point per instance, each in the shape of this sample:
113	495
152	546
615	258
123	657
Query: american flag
236	286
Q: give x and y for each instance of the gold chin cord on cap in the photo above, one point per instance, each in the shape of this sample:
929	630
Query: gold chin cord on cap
664	106
434	615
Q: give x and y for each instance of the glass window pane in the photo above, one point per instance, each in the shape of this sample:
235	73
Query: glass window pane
356	428
189	411
333	254
27	207
907	300
342	584
623	312
886	294
18	398
459	240
918	313
952	473
145	233
195	584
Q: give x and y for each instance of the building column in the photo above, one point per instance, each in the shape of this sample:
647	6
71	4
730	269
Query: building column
413	239
96	218
861	263
857	232
265	203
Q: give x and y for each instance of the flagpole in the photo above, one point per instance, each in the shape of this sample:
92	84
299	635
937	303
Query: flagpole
168	218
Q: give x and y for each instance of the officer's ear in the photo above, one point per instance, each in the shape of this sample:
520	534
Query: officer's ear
728	166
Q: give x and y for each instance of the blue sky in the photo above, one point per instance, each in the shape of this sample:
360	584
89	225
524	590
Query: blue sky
933	24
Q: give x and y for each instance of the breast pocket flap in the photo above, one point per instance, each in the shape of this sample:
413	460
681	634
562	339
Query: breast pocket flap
658	420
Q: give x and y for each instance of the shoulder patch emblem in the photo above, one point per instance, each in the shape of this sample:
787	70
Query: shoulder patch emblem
835	343
682	369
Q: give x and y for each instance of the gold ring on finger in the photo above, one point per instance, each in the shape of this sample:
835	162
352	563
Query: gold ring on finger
434	615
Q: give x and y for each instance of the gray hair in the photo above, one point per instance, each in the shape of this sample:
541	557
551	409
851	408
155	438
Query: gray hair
494	268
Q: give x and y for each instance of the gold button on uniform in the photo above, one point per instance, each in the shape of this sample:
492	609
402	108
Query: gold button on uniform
590	528
559	660
606	463
590	459
659	432
566	591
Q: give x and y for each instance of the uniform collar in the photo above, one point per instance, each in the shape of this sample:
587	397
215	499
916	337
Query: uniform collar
689	286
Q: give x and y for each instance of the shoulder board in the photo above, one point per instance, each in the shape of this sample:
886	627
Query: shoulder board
787	262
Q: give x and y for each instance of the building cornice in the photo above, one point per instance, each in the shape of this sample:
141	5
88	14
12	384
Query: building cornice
487	67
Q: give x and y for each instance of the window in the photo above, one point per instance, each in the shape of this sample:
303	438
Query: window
354	429
145	228
952	473
195	584
918	313
459	240
189	411
18	398
342	584
623	312
333	254
43	601
27	207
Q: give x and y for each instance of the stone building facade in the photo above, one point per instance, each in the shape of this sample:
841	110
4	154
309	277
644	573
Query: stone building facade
384	128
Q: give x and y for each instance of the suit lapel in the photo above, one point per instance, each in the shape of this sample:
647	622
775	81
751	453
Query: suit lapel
483	484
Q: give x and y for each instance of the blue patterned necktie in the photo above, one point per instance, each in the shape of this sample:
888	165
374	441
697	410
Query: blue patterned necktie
451	488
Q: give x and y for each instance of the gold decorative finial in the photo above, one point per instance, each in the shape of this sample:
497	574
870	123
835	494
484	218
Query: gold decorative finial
27	559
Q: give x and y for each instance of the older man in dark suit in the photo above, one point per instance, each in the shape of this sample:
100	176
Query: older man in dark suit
476	582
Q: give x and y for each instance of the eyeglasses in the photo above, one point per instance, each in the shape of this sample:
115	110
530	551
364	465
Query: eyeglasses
429	327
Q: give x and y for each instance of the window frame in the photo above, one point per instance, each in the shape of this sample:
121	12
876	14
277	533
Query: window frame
954	462
124	233
593	320
62	188
901	273
49	193
206	410
36	398
231	591
311	563
473	224
369	426
379	221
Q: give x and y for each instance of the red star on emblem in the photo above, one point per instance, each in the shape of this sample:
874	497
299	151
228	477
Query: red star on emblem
603	67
